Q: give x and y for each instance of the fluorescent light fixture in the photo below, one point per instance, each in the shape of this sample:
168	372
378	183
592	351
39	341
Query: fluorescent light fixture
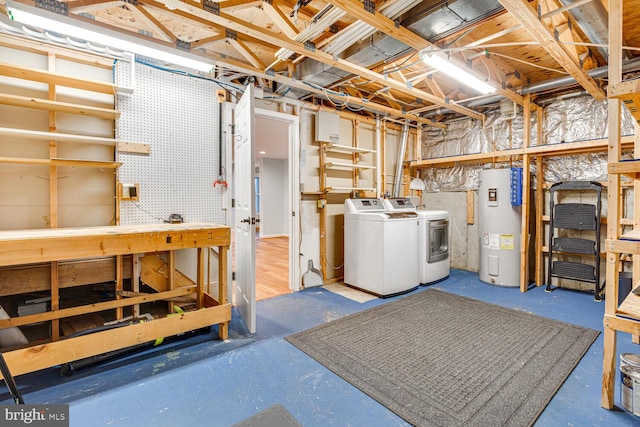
77	29
263	152
441	63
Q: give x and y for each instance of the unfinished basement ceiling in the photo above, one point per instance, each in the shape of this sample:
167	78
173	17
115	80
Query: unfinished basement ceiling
363	55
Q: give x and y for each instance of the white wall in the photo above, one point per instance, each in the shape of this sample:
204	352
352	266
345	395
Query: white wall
274	188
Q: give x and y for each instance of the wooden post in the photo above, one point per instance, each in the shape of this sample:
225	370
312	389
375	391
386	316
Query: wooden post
53	201
470	207
223	328
135	281
526	195
613	204
171	276
119	284
200	277
636	217
539	221
323	212
355	174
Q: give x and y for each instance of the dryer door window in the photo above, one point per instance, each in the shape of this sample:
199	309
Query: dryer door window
438	240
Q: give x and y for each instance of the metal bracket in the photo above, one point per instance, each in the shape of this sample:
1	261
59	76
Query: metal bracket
53	6
230	34
183	45
211	6
370	6
310	46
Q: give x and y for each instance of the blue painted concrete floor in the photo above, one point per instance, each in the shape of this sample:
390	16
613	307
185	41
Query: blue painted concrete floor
203	381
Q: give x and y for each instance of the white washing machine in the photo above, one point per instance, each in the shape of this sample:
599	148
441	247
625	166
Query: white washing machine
376	245
433	254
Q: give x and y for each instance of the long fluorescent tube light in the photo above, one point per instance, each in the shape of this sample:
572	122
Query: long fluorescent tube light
77	29
438	61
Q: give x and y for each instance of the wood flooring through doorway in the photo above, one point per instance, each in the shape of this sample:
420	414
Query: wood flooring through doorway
272	267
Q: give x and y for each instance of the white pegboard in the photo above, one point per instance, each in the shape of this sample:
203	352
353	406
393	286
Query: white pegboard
178	116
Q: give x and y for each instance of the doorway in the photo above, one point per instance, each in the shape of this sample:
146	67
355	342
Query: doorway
277	252
272	193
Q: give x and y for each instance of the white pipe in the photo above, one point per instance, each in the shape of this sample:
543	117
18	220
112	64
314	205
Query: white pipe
401	152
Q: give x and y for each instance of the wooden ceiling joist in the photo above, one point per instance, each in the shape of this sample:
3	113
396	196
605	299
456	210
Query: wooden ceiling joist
93	7
207	41
143	14
281	20
204	23
524	13
246	28
400	33
246	52
226	62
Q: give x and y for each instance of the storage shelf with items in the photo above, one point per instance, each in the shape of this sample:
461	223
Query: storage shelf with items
565	220
348	167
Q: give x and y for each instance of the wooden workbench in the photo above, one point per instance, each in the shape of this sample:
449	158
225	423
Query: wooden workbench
23	247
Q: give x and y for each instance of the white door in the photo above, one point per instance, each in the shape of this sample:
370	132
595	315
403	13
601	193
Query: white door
245	213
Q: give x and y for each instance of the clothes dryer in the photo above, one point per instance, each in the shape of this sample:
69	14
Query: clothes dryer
433	253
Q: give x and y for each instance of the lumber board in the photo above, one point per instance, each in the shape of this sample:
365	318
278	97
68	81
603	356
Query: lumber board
560	149
60	162
43	356
154	272
26	73
34	246
37	277
58	106
92	308
49	136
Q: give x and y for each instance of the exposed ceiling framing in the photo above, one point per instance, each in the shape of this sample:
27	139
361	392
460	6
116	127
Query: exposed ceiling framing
514	44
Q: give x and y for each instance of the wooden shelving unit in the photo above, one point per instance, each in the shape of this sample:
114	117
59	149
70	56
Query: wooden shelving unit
343	161
52	275
624	317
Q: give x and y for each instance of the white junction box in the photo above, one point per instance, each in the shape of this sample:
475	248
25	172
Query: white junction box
327	127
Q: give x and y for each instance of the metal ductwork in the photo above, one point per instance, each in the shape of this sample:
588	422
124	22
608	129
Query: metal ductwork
592	18
627	67
431	19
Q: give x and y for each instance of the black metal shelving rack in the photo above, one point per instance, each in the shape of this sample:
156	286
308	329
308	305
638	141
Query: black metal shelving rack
575	216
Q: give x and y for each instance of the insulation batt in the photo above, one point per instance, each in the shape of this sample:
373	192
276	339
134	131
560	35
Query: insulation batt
570	120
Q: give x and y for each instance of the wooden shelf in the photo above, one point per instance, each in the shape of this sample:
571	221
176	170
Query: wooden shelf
58	107
629	93
629	168
560	149
347	189
347	149
60	162
630	307
340	165
41	76
64	137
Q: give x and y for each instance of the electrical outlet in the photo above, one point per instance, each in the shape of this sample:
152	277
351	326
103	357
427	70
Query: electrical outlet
130	192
